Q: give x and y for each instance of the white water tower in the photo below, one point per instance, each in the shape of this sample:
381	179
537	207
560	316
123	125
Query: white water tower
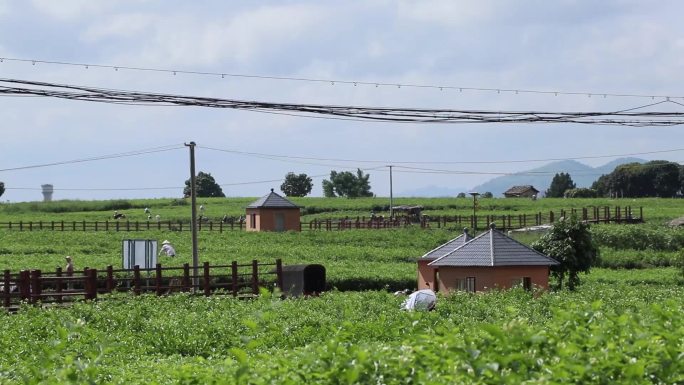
47	192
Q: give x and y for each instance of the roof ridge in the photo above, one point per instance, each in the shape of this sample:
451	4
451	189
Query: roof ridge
524	245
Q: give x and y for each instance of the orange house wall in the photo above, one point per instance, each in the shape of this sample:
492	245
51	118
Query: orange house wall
426	274
265	219
493	277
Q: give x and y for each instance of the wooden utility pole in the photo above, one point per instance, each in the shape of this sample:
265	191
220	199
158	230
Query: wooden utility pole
193	221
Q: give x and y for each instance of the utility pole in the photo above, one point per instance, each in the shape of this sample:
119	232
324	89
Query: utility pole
193	220
474	223
391	198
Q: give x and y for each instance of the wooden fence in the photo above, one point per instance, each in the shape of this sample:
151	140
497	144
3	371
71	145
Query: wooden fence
603	214
35	286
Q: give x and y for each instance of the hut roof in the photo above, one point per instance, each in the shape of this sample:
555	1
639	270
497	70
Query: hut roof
272	200
494	248
517	190
448	247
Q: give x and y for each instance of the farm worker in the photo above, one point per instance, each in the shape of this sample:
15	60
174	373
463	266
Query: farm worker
69	266
167	248
69	271
157	217
147	210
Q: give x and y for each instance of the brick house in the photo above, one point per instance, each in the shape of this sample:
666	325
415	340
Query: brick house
490	260
272	213
526	191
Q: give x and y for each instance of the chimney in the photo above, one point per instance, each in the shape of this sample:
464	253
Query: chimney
466	236
47	192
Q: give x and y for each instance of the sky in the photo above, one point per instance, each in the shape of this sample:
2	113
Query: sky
587	47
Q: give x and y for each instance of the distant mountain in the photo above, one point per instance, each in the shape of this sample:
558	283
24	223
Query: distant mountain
581	174
432	192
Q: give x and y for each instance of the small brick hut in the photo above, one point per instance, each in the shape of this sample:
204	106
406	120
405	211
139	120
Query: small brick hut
427	275
273	213
490	260
526	191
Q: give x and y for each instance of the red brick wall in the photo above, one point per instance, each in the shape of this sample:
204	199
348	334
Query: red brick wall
265	219
492	277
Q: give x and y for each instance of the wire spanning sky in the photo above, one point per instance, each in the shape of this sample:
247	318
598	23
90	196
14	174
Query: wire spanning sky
582	55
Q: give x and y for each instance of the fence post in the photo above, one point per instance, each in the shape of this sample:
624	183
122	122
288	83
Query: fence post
24	285
186	277
255	276
207	286
234	275
551	216
58	289
6	286
73	225
110	279
137	226
36	288
158	278
84	226
136	280
31	226
91	284
279	273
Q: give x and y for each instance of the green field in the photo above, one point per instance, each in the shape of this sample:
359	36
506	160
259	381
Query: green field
621	326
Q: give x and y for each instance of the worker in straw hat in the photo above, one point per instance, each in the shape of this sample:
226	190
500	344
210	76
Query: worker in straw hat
167	248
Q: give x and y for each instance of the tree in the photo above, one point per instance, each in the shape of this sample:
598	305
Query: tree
488	194
657	178
581	192
569	242
347	184
559	184
296	185
2	188
205	186
461	195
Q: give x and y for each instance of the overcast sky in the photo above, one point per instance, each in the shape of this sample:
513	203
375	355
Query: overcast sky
597	47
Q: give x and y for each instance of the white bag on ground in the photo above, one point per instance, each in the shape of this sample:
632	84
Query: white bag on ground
420	300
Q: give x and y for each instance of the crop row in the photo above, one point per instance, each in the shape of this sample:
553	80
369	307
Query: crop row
656	210
604	333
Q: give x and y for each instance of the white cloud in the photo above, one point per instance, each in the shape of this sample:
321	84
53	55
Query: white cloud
72	9
183	39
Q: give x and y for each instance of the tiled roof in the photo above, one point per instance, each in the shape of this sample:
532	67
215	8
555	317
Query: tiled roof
448	247
520	189
494	248
272	200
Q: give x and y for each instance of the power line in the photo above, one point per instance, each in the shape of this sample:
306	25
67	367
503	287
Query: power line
101	157
380	161
627	117
355	83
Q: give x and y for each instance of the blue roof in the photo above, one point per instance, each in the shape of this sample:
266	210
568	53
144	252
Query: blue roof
494	248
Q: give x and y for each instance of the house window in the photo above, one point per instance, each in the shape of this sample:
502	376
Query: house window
460	284
252	221
470	284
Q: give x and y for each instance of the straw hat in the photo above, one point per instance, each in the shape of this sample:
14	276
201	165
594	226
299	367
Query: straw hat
68	258
166	242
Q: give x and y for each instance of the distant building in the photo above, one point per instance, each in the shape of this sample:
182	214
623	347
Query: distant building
526	191
47	192
490	260
273	213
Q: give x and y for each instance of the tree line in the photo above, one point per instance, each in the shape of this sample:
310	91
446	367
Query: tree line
657	178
